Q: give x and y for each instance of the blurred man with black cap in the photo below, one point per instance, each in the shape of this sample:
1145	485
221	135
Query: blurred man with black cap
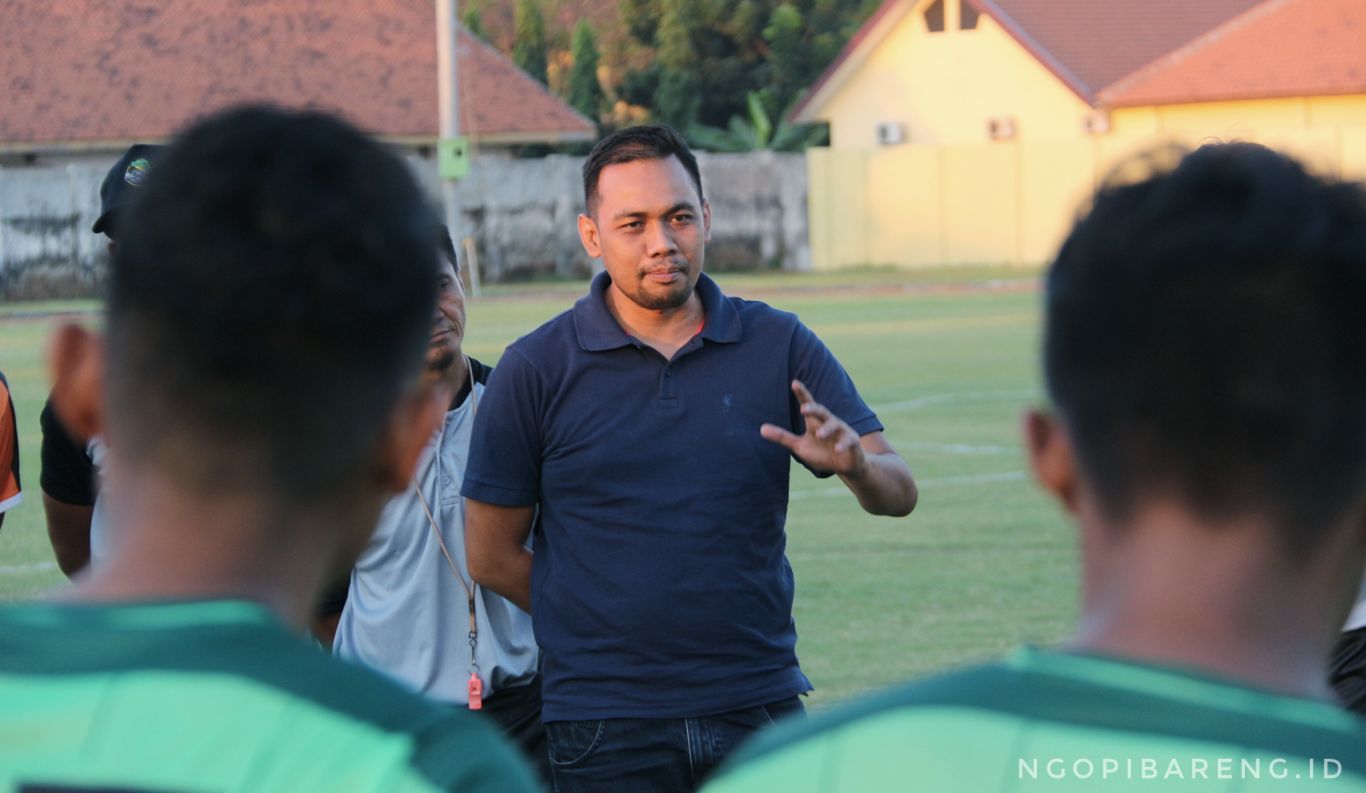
71	465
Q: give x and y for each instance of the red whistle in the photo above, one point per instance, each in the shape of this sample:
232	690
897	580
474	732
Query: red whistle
476	691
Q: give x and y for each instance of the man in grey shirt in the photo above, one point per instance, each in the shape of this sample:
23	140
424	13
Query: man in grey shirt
412	612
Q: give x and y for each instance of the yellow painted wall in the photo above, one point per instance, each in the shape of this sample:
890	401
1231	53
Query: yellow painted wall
943	87
951	196
994	203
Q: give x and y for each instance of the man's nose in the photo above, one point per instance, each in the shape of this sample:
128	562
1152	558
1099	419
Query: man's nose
659	240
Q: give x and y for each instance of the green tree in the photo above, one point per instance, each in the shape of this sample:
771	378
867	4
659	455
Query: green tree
473	20
529	47
788	54
696	61
676	97
755	132
585	92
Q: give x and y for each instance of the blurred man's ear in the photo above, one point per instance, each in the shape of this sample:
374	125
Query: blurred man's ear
411	424
75	360
1052	457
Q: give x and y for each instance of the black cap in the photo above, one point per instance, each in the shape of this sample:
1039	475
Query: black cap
129	172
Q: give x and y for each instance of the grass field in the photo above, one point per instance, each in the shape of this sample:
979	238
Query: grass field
947	358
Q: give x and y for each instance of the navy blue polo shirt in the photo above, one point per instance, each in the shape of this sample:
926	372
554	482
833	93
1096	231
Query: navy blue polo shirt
660	587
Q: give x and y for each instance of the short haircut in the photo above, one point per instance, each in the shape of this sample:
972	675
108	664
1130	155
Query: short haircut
652	142
446	245
269	302
1206	340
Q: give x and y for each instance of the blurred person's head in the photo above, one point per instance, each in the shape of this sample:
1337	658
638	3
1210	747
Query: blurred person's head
448	326
270	306
1205	352
124	179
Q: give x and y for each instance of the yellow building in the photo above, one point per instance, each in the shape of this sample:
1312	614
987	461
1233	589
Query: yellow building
968	131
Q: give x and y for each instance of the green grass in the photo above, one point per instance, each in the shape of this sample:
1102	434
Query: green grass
949	362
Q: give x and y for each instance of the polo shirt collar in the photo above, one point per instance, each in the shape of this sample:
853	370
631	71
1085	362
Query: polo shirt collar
598	331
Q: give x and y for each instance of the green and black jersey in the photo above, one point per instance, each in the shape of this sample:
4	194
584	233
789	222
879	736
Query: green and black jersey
217	696
1044	721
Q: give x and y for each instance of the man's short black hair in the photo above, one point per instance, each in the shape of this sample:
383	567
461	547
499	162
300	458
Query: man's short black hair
651	142
269	301
1206	340
446	245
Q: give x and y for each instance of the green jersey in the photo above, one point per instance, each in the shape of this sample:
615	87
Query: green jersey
217	696
1045	721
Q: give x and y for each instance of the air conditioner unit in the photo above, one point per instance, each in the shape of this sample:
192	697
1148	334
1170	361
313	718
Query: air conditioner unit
1096	122
890	133
1001	128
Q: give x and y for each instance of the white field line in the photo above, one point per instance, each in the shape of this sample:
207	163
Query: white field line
960	448
930	400
932	482
32	567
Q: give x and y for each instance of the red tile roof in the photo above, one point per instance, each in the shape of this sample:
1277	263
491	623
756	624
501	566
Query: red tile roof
1281	48
102	72
1090	44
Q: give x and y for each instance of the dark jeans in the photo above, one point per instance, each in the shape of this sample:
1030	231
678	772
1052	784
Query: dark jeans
649	755
518	713
1347	672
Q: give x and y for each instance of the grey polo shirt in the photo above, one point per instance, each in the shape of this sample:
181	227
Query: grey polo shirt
406	615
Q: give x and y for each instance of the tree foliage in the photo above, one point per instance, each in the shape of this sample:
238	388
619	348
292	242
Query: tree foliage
585	93
529	46
687	63
710	55
473	20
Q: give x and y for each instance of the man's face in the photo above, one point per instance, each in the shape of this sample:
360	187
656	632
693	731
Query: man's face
448	327
650	228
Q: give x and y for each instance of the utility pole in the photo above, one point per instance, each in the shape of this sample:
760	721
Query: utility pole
453	151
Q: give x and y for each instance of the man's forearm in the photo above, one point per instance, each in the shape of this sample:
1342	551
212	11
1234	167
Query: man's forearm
495	549
885	487
509	576
68	530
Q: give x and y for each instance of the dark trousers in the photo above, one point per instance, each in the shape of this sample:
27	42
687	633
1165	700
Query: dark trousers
1347	672
652	755
518	713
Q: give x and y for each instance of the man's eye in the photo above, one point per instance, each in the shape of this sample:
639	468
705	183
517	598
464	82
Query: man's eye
683	218
635	224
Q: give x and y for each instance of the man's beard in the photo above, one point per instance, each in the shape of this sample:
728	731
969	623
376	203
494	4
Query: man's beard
666	301
443	362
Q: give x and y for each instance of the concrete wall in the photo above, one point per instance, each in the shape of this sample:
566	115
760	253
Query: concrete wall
520	213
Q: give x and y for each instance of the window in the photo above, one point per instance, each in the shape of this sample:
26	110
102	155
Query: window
968	15
934	17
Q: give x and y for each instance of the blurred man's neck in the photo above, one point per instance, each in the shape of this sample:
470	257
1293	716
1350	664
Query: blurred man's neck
1170	589
173	544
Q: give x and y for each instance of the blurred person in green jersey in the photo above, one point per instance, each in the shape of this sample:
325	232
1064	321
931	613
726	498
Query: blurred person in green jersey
1205	356
259	383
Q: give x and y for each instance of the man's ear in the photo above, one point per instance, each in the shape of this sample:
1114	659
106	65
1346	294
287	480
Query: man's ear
410	427
706	221
1052	457
588	235
75	359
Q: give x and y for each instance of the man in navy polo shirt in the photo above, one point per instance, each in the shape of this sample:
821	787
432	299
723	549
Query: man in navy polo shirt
652	425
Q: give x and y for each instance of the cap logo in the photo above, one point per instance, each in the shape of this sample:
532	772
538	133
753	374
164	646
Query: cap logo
136	173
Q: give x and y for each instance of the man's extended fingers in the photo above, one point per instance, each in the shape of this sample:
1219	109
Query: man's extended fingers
803	396
780	436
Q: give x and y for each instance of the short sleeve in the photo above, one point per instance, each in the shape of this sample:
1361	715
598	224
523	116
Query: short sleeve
68	475
506	447
811	362
9	451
